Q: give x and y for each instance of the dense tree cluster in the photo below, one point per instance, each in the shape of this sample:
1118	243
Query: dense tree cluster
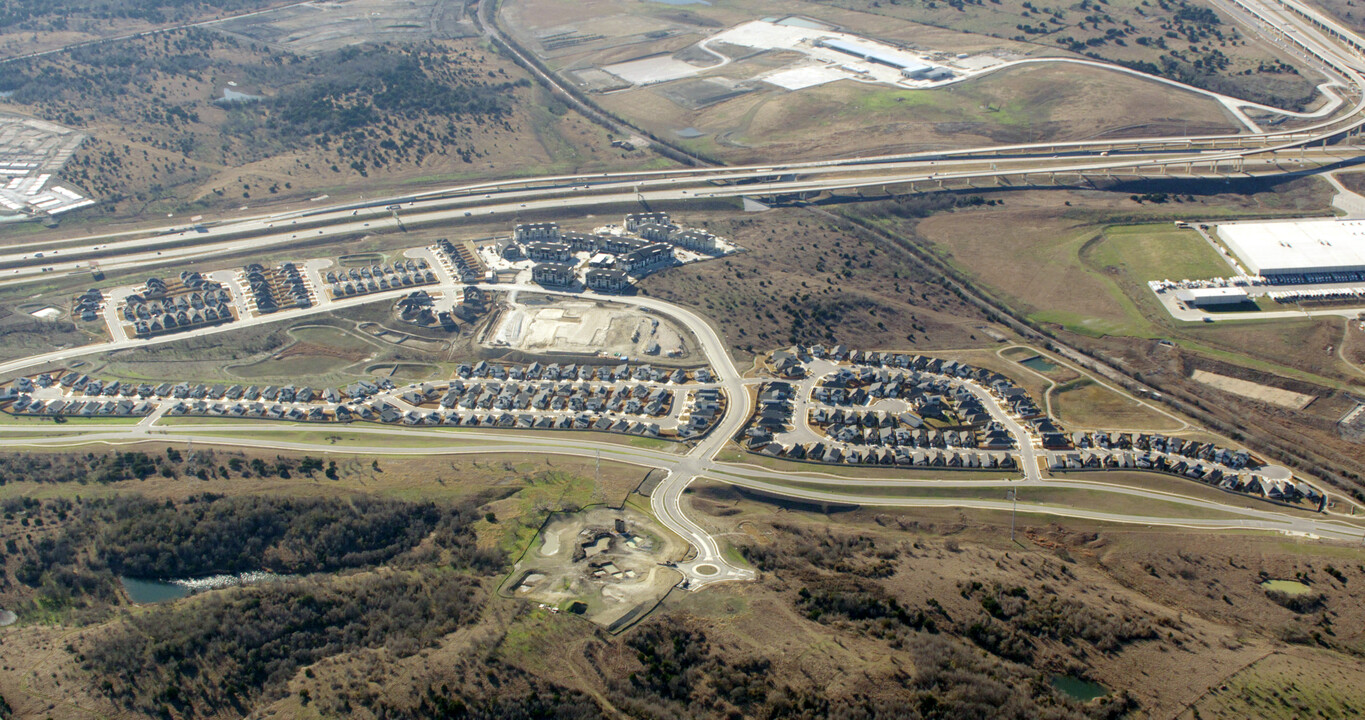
38	15
227	649
208	534
516	695
348	111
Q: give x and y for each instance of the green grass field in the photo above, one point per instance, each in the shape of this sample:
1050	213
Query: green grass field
1157	251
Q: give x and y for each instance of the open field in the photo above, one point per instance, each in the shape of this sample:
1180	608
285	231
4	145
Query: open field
1285	685
1084	403
846	118
727	111
804	278
1156	252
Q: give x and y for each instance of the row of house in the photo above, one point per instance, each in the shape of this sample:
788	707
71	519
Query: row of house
27	405
571	371
899	456
1211	473
162	307
467	265
654	401
869	368
275	289
88	304
378	278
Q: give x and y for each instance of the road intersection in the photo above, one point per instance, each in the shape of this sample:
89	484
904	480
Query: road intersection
709	564
1280	152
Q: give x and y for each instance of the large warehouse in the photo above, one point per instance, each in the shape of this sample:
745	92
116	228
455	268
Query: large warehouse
1304	247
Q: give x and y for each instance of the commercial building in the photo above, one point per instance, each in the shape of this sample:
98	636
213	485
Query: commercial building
1307	247
1212	297
909	67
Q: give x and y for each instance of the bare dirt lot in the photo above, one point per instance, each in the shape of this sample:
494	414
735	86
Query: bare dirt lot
1255	391
590	328
588	564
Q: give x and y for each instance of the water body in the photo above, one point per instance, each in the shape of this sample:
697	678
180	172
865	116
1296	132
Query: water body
7	93
1288	587
689	133
682	2
1078	689
1039	363
148	592
144	592
234	96
7	618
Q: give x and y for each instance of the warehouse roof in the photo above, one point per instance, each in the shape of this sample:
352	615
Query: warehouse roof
1269	248
885	57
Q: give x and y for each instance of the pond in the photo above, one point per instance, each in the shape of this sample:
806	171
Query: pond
146	592
689	133
234	96
1078	689
682	2
1039	363
1288	587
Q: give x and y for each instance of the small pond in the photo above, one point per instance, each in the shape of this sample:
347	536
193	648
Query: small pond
146	592
235	96
682	2
1288	587
1078	689
1039	363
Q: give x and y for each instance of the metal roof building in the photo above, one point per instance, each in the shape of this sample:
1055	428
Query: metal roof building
876	55
1298	247
1204	297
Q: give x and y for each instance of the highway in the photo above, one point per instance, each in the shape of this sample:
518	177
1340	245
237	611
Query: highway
1272	153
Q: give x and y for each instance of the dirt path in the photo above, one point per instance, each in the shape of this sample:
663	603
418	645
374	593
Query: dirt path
1341	348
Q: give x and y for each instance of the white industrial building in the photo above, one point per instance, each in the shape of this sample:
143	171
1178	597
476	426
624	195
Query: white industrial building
1305	247
1212	297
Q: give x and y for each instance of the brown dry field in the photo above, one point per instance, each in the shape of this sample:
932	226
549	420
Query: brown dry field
804	278
1028	104
845	118
1086	404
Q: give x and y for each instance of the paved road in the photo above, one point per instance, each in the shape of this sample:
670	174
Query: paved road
1247	154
